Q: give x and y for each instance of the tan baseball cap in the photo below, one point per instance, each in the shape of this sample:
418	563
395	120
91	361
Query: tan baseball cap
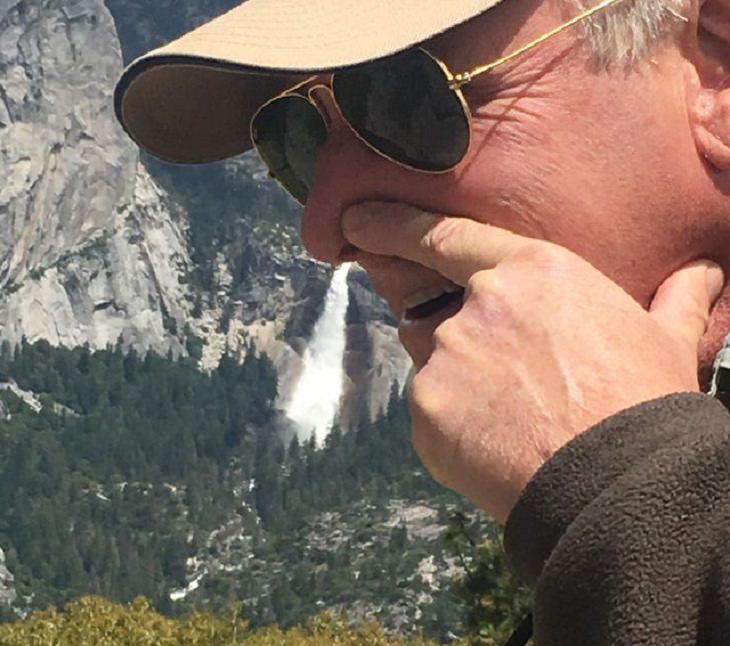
192	100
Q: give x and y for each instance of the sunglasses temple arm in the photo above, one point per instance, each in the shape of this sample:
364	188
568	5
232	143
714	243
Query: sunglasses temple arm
466	77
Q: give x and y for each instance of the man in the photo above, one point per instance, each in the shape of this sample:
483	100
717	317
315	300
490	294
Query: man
542	195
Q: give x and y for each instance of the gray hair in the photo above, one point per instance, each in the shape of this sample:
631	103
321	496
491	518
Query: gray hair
626	33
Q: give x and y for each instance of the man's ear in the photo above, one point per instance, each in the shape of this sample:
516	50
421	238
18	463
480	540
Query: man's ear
710	100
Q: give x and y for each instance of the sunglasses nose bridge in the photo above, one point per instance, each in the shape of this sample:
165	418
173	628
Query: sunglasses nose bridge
323	99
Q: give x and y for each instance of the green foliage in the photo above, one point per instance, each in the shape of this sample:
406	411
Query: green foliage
373	461
37	273
494	599
94	497
112	495
355	474
193	344
93	621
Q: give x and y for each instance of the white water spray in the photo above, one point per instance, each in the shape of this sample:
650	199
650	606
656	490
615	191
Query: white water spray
316	397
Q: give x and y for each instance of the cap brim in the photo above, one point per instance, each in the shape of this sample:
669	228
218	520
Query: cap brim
192	100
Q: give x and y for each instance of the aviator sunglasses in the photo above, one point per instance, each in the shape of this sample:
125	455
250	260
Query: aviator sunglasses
408	108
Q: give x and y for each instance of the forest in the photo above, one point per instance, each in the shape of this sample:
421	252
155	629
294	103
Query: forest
132	463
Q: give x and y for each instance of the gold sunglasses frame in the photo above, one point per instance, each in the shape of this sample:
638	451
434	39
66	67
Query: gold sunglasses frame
455	83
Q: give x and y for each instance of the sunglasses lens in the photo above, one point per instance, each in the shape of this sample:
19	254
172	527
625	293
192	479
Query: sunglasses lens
288	134
403	107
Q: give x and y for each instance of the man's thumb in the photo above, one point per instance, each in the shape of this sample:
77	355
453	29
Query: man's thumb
683	302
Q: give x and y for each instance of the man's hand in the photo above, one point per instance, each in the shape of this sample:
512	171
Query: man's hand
543	347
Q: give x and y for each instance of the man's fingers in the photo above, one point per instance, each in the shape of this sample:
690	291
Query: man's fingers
683	302
455	247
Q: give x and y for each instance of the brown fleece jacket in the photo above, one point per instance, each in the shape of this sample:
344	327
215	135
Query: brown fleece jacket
625	532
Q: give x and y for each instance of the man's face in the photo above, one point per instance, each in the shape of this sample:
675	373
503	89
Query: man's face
601	162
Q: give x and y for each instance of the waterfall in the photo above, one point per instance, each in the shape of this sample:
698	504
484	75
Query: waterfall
316	397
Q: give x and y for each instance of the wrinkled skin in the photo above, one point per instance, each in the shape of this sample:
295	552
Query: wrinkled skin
624	171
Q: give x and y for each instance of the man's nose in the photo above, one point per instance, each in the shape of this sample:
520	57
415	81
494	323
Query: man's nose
346	167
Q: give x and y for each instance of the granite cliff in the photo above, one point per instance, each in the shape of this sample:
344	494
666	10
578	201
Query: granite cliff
89	248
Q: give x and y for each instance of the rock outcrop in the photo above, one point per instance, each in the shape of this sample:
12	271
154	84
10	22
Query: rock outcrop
7	583
375	362
122	286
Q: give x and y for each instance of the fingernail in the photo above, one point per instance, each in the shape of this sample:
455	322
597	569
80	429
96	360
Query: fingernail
715	281
355	218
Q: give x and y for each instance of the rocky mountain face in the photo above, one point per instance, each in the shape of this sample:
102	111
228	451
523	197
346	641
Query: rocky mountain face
400	542
374	361
90	250
95	249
